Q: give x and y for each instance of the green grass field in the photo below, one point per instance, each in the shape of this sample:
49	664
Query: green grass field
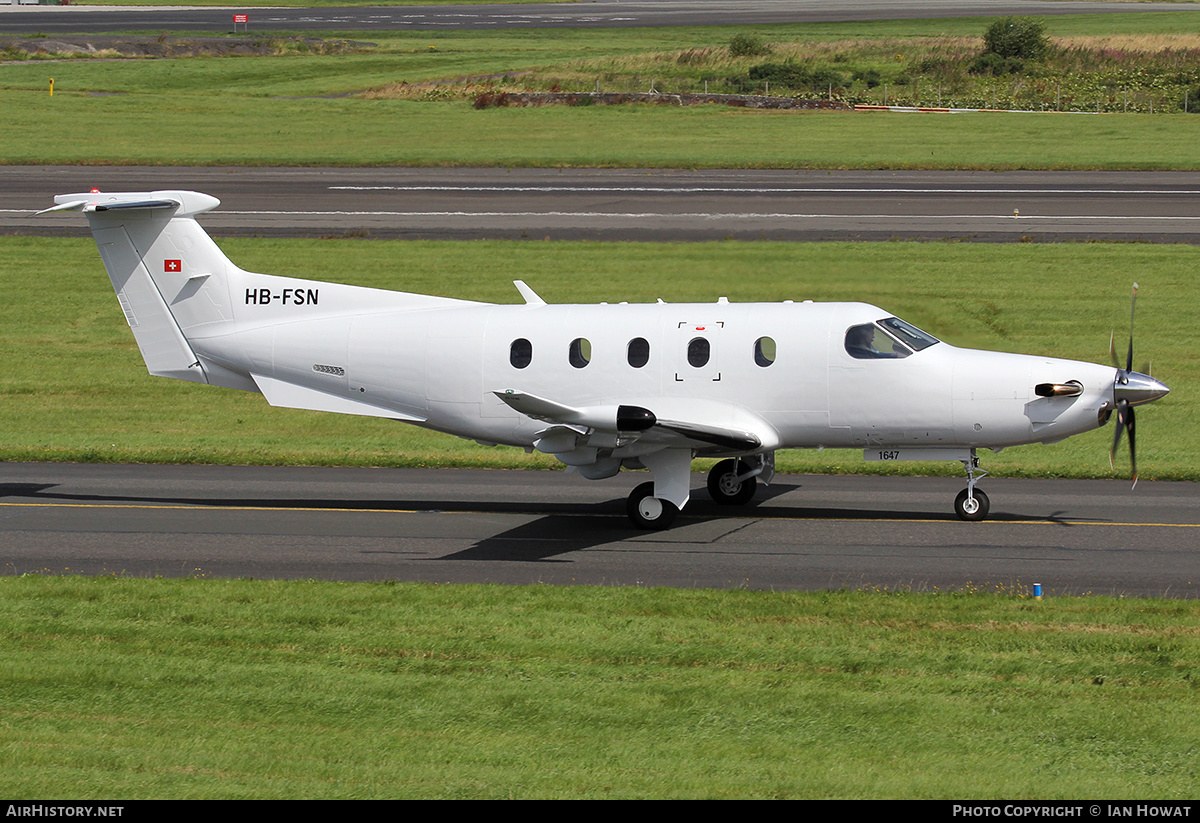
239	131
306	109
75	387
189	689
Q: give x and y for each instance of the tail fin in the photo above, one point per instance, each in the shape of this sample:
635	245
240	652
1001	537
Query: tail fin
170	277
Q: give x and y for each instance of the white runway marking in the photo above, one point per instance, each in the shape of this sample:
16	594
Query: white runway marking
696	215
751	190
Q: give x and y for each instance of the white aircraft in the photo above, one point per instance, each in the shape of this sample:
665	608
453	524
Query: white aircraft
600	387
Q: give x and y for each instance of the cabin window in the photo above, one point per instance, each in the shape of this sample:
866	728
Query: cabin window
580	353
698	352
869	342
520	353
638	353
764	351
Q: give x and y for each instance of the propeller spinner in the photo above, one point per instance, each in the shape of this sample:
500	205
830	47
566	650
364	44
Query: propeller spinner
1130	388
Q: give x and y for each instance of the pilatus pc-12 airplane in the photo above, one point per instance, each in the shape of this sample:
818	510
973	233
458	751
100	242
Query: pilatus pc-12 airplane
600	387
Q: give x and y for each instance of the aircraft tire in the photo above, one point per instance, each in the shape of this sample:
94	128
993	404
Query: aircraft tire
977	512
647	511
724	488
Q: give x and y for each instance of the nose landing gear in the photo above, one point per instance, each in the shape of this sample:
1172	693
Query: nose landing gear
971	503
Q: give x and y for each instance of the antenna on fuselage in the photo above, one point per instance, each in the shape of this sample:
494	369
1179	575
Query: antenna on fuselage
531	297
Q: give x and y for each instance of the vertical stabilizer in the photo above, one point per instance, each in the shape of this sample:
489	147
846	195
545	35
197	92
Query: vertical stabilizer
170	277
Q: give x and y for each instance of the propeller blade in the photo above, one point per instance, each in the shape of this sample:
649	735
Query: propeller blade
1132	450
1125	422
1130	388
1132	306
1118	430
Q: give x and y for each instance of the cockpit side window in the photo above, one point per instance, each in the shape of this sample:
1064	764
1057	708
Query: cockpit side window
869	342
908	334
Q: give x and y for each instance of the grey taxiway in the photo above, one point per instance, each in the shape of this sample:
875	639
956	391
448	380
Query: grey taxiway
514	527
642	204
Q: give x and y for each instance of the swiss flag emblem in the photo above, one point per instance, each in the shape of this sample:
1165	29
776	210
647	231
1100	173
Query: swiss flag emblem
172	265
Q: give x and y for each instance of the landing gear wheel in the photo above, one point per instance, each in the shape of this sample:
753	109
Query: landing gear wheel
971	509
647	511
723	485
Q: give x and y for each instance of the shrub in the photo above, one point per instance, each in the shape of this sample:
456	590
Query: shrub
747	45
1023	37
991	63
869	76
1191	100
796	76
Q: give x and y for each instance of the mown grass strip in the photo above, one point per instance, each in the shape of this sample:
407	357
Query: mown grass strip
278	110
246	131
75	388
120	688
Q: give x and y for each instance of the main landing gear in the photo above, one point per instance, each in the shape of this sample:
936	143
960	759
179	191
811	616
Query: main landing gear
650	512
972	503
732	482
654	505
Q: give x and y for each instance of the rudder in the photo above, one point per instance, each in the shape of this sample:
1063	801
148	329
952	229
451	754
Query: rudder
171	279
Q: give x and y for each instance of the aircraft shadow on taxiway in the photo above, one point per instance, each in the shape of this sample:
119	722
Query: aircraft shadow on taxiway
558	528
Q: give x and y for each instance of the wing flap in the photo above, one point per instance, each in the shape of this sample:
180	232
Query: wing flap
707	426
728	439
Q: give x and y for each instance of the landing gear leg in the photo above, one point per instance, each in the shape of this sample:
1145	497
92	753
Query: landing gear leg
654	505
971	503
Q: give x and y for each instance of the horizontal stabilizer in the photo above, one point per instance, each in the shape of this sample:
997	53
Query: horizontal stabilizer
185	203
138	204
70	205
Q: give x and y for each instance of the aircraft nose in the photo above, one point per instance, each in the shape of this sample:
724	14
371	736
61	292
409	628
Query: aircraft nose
1136	388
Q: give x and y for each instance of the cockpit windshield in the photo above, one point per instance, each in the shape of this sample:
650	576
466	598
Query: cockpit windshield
908	333
887	339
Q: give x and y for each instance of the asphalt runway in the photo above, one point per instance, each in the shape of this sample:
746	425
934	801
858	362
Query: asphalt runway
16	19
640	204
513	527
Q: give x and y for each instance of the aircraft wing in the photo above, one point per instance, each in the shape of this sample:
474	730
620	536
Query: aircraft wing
727	439
707	426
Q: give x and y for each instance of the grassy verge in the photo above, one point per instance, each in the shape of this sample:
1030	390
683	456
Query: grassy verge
117	688
74	387
338	109
387	132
